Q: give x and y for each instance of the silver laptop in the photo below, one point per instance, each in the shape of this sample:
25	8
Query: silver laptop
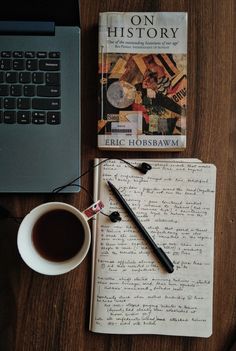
39	95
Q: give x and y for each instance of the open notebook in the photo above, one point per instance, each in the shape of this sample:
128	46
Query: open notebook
131	292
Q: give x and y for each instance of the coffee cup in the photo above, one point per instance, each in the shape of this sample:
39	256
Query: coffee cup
55	237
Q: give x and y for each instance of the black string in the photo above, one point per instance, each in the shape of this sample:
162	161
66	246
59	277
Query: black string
60	188
72	183
76	185
5	213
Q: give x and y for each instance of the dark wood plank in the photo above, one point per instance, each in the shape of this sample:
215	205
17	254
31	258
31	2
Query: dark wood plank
52	313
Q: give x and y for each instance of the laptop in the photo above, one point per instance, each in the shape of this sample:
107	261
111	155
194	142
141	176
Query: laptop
39	95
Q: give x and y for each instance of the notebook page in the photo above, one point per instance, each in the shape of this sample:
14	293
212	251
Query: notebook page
132	292
94	223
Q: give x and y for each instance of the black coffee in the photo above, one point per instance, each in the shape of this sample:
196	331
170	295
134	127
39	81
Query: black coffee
58	235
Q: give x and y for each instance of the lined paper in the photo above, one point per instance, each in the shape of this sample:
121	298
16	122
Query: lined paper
131	292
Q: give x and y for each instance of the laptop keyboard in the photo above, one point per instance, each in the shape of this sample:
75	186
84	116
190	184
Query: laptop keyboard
30	87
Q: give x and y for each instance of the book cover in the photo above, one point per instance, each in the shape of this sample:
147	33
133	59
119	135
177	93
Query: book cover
142	80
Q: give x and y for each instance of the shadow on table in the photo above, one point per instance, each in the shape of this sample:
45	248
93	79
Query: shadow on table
9	283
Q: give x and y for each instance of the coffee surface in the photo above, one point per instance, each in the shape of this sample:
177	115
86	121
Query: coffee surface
58	235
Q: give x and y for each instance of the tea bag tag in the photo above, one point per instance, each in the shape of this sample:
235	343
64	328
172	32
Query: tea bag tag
92	210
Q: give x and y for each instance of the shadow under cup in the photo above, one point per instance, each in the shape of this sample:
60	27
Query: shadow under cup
54	238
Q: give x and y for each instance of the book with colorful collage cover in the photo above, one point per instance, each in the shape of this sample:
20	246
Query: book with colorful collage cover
143	81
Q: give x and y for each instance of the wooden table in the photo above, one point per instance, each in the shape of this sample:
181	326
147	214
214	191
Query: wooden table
51	313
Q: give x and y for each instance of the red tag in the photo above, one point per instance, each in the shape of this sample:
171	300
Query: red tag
94	209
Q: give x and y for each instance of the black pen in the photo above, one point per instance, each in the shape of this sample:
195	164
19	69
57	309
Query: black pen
163	258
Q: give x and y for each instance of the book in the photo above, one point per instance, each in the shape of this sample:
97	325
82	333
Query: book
142	81
131	291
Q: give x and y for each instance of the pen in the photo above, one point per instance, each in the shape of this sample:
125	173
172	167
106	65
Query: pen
163	258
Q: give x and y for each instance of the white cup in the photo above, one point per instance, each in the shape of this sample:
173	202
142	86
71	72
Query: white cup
30	254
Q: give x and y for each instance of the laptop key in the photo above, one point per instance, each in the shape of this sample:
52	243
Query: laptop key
4	90
54	54
23	117
18	54
46	104
29	90
53	78
9	117
23	103
6	54
38	77
16	90
25	77
5	64
49	65
2	75
39	117
19	65
1	119
1	103
9	103
32	65
30	54
53	118
49	91
41	54
11	77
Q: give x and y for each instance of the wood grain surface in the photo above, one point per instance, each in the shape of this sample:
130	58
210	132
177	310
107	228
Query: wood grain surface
40	313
